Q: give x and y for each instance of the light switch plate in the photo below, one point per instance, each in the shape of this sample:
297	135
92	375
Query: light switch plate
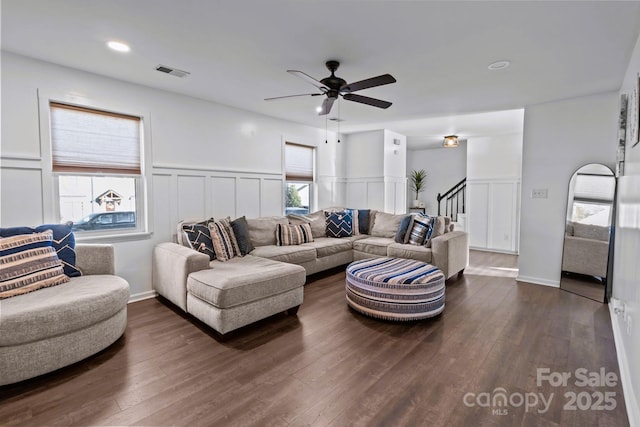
539	193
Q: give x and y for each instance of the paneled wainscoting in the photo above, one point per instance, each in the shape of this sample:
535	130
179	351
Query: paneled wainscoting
330	366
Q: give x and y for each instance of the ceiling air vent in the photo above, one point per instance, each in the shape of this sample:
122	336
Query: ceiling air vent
336	119
172	71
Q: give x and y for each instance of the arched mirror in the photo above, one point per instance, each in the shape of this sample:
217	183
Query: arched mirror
588	231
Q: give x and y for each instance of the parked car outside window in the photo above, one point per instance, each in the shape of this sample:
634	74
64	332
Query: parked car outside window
106	221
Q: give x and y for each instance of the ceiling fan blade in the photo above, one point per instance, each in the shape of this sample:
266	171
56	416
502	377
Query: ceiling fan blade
292	96
366	100
384	79
307	78
326	106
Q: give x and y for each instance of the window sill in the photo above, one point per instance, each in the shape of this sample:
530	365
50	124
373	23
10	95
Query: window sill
113	238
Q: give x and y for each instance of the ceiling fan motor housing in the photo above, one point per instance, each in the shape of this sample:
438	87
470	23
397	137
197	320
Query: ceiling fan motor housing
332	82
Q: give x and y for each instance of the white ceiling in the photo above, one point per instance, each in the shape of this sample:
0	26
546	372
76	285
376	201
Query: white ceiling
238	51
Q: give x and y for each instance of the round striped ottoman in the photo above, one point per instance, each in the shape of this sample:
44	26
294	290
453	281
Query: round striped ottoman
395	288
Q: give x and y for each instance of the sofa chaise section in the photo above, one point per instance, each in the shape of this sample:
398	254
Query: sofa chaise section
226	295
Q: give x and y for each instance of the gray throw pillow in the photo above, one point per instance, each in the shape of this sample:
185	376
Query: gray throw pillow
241	230
402	230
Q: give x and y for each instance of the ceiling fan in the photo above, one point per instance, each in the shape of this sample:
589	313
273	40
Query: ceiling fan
334	86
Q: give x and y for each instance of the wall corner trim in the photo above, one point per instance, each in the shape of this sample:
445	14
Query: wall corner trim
633	410
142	296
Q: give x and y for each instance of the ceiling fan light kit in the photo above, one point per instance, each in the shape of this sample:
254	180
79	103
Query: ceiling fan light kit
333	87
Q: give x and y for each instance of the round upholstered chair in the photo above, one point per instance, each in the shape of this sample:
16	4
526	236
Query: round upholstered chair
395	289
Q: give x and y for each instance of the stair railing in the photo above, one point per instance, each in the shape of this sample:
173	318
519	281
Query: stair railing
454	200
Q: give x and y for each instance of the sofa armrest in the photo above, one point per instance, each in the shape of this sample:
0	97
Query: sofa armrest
171	266
450	252
95	259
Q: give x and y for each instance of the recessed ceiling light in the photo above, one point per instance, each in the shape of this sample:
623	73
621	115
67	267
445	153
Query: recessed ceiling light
499	65
118	46
318	109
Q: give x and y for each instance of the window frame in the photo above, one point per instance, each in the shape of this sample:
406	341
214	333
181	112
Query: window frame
50	179
312	182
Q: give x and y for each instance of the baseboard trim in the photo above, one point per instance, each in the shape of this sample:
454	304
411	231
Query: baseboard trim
633	411
142	296
538	281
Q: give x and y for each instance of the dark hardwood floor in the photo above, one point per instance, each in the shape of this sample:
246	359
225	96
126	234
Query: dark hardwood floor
330	366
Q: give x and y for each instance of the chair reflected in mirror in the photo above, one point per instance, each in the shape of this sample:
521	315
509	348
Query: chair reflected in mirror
588	230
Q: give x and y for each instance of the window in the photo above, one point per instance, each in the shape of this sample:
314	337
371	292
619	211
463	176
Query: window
592	199
96	161
299	173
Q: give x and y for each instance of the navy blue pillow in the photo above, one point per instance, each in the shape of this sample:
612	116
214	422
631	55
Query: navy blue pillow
402	230
240	228
64	242
363	220
339	224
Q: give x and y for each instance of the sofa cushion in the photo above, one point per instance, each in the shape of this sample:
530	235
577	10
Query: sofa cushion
590	231
291	254
315	219
243	280
339	224
326	246
224	240
399	250
196	235
71	306
291	235
241	231
373	245
386	225
28	262
262	231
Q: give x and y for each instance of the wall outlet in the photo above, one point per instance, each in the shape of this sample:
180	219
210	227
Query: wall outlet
539	193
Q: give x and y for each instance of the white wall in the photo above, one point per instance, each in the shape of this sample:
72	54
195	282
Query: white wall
445	167
207	159
374	170
493	191
559	137
626	269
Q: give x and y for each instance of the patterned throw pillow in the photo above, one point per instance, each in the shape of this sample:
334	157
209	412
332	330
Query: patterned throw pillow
224	241
64	242
29	262
339	224
422	226
355	221
198	237
288	235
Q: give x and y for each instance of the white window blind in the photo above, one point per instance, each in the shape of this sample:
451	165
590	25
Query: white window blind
93	141
594	187
298	162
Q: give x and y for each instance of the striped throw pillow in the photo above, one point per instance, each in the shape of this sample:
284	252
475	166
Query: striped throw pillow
422	226
287	235
29	262
224	241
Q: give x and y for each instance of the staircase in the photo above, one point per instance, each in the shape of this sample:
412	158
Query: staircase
454	204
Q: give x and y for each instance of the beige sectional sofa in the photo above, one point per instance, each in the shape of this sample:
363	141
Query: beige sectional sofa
270	279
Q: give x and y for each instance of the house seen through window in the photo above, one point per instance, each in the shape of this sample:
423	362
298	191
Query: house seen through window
299	173
96	162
